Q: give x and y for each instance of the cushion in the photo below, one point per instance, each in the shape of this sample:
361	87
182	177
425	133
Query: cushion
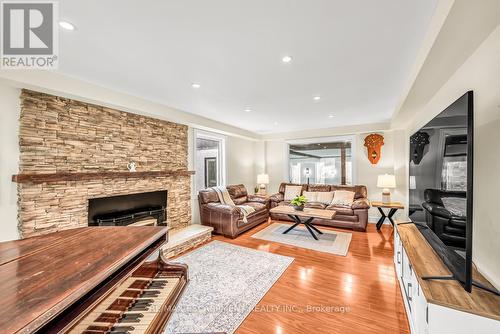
240	200
257	206
315	205
311	196
343	197
291	192
456	205
325	197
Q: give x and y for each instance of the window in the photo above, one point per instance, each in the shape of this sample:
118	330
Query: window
209	159
454	169
324	161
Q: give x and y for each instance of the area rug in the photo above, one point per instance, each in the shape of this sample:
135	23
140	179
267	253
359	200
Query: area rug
329	242
225	283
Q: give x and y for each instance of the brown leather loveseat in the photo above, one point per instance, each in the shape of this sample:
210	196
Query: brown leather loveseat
228	220
354	217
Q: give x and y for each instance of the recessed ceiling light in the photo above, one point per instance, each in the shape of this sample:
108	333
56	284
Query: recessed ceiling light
275	123
317	98
248	110
195	85
66	25
330	116
286	59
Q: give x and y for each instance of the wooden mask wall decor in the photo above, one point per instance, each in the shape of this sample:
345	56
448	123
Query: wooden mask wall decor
374	144
417	145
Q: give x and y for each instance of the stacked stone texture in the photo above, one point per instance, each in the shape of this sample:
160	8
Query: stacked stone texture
63	135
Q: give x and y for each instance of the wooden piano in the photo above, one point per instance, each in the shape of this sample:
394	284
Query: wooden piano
91	280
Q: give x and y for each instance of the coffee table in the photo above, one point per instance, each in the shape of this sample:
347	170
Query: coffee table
308	213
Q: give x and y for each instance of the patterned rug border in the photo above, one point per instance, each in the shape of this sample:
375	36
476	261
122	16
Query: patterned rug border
260	235
256	298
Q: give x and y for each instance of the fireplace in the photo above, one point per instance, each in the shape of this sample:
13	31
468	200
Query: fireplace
130	209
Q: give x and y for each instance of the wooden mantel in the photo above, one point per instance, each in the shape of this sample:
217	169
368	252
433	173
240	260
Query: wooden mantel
82	176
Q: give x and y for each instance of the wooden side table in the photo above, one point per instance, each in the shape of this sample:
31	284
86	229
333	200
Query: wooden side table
392	206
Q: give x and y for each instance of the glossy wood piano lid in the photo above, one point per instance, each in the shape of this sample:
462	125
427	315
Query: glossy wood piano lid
51	272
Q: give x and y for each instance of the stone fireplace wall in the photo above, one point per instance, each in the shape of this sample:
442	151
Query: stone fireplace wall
63	135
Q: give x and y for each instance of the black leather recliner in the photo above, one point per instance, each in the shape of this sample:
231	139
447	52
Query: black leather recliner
448	227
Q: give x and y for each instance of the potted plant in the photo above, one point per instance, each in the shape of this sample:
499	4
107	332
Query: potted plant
299	202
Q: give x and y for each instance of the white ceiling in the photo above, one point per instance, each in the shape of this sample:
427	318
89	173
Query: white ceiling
355	54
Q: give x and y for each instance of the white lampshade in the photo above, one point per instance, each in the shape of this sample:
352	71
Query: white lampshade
263	179
386	181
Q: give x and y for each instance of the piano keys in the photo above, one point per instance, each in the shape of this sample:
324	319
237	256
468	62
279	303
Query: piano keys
129	288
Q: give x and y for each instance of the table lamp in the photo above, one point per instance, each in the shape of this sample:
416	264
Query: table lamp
386	181
262	180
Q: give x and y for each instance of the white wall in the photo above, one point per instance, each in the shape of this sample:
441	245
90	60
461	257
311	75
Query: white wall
240	157
276	164
480	73
9	161
367	173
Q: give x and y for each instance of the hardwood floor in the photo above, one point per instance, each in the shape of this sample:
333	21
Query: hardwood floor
360	289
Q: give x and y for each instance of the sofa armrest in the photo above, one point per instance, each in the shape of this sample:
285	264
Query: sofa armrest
279	197
436	210
223	208
360	203
258	199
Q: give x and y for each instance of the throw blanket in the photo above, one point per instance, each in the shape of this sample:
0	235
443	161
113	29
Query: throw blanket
224	198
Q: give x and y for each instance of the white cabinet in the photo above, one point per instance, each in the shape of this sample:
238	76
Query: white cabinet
429	318
410	289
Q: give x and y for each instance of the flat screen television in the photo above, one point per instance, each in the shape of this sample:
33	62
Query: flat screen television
440	182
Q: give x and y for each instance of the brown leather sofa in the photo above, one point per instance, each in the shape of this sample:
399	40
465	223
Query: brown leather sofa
354	217
228	220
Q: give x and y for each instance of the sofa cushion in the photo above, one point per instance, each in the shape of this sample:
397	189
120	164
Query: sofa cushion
240	200
341	210
311	196
343	197
325	197
292	191
236	191
208	196
278	197
315	205
257	206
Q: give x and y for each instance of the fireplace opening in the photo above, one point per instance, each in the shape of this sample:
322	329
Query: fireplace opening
130	209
